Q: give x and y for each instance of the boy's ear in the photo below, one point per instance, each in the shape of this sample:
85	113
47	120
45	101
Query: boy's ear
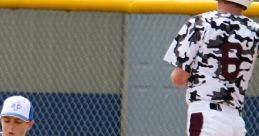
31	124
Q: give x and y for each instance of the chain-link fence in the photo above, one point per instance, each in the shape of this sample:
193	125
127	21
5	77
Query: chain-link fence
97	74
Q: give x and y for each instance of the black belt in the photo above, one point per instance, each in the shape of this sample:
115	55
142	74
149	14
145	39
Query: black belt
217	107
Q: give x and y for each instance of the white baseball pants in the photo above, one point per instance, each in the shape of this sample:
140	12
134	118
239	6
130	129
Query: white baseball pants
206	119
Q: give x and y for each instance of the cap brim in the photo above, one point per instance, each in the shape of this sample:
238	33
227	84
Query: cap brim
15	115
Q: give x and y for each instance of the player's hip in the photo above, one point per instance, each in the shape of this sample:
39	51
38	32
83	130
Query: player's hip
208	119
208	107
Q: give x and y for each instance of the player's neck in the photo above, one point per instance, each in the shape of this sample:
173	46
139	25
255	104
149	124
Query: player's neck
230	11
228	8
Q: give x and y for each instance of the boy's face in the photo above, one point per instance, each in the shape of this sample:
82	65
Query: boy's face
12	126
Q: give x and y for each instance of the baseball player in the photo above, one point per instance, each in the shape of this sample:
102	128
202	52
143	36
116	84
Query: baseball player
214	54
16	116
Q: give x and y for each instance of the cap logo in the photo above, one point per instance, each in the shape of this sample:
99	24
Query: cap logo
16	106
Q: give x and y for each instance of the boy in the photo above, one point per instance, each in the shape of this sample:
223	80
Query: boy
16	116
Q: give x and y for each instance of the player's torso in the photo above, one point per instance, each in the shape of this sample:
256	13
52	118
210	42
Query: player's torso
223	66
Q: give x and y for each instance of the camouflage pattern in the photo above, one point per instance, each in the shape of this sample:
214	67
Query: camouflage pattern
219	51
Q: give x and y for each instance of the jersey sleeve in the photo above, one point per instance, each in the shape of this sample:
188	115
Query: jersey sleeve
184	47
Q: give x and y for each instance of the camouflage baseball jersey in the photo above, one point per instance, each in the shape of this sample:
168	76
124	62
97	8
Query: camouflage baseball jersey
219	51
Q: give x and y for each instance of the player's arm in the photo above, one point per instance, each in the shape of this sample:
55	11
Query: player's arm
179	77
182	52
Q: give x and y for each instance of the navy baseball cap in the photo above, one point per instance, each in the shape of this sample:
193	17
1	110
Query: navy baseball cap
19	107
